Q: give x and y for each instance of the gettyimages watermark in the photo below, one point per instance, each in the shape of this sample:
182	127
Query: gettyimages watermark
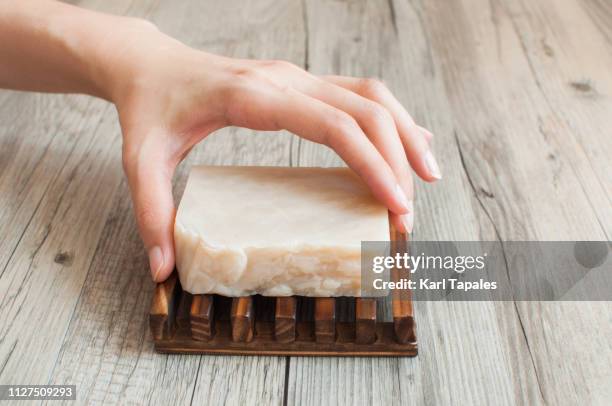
489	270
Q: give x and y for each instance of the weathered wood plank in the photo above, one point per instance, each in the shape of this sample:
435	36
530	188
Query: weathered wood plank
48	242
361	35
543	151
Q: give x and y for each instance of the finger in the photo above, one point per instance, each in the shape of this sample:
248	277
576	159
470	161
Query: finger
426	133
271	108
378	125
419	154
150	180
404	223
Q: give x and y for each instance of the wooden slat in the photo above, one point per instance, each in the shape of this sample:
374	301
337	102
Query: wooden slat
201	317
403	317
365	320
325	319
183	310
162	308
284	320
242	319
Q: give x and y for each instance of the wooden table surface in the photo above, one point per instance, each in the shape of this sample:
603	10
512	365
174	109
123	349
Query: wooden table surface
518	95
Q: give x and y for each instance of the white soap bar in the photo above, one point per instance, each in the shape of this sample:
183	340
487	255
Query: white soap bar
275	231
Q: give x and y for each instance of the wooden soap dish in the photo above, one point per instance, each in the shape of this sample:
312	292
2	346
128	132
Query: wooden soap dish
297	326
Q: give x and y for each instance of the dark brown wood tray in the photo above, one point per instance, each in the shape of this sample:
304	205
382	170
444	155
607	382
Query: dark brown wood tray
296	326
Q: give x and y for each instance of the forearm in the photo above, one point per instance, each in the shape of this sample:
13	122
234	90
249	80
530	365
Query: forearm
49	46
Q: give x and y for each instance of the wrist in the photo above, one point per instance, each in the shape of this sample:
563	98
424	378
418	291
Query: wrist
121	58
82	51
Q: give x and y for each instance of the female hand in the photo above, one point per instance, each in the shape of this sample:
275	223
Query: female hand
169	97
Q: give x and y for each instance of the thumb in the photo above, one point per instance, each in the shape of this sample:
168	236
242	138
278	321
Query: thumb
150	180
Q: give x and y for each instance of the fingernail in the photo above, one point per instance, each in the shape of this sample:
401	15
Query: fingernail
156	262
432	165
402	197
408	218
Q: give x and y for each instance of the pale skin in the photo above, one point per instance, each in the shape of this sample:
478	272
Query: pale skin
170	96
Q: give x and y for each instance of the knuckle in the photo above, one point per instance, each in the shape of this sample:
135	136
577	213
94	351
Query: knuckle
246	76
280	64
373	88
241	82
377	114
339	127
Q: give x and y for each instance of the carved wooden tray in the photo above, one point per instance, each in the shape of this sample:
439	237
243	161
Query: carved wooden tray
298	326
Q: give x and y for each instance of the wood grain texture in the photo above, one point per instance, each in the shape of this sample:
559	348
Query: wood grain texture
365	320
325	319
242	319
48	252
163	308
517	94
401	305
366	32
532	156
284	319
201	317
460	68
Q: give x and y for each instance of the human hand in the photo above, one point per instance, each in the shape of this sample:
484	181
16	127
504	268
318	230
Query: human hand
169	97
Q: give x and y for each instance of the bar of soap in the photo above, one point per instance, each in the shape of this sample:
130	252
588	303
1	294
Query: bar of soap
275	231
